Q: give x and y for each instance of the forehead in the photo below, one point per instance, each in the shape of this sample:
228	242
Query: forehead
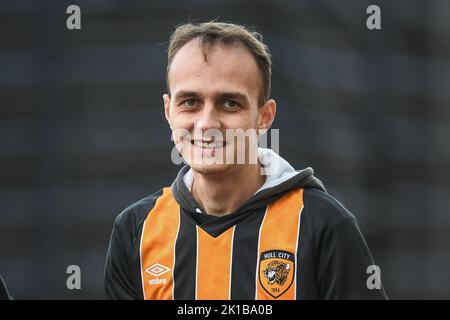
217	67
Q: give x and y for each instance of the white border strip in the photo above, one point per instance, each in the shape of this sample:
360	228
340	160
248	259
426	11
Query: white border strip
140	257
175	255
296	250
258	256
196	262
231	263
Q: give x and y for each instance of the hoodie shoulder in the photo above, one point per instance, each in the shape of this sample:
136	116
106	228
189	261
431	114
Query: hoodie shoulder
325	209
132	217
338	251
121	270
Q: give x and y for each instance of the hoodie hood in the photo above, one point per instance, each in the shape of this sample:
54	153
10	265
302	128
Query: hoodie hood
280	178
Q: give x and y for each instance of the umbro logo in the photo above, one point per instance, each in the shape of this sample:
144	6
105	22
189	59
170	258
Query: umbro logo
157	270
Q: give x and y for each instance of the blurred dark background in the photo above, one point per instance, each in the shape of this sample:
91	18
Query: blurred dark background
83	133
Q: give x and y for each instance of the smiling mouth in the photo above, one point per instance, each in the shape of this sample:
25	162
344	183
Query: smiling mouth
208	144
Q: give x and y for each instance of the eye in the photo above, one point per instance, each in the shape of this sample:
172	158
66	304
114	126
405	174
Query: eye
230	104
190	103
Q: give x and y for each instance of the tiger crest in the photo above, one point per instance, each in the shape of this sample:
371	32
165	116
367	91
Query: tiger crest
276	271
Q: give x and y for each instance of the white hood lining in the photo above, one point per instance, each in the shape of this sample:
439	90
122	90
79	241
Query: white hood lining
275	168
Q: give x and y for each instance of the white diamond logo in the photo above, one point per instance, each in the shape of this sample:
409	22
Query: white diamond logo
157	270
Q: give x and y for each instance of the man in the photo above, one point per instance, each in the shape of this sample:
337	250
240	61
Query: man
230	227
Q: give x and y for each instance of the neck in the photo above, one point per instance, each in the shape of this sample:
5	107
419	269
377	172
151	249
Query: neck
221	194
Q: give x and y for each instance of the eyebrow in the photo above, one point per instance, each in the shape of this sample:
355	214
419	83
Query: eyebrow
235	96
185	94
223	95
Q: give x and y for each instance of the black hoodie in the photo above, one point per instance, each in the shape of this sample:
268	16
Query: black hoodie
329	259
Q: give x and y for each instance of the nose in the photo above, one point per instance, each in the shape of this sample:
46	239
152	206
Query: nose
209	118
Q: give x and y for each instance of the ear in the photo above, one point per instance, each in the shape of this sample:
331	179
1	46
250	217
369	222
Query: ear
267	115
166	99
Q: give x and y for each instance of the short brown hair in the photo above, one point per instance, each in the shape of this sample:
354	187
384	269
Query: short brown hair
210	33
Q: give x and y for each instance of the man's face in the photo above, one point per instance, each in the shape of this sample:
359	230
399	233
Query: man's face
212	97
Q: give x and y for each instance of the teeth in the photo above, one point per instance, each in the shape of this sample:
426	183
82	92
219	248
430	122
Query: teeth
210	145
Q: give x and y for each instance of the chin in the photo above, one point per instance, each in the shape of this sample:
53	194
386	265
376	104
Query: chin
206	168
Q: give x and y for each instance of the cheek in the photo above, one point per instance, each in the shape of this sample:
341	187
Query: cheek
182	121
181	128
240	120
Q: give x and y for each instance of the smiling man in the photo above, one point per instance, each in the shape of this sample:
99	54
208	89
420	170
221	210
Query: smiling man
238	222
